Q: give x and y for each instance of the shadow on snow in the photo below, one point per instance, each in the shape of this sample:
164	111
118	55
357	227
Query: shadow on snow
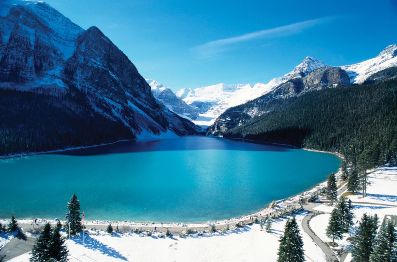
95	245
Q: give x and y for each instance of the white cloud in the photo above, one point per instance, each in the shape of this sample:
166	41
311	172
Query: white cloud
214	47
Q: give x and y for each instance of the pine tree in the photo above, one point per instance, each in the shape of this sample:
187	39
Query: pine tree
345	209
74	216
109	229
384	243
335	227
363	241
13	225
41	250
345	174
57	247
349	215
291	244
353	181
331	188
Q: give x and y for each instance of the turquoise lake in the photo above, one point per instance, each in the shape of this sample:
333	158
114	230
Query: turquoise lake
190	179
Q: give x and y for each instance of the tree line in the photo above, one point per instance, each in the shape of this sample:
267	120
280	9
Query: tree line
359	122
31	122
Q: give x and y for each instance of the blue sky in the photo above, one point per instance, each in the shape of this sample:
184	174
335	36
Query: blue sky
185	43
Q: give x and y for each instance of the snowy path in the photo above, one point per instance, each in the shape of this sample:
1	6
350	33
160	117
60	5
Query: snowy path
329	254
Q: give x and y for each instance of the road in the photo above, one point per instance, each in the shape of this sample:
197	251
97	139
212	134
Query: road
329	254
16	247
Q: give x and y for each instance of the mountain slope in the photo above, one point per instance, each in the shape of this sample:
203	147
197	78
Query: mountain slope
319	79
171	101
362	71
43	52
360	122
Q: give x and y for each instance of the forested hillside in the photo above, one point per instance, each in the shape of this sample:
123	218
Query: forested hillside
359	122
30	122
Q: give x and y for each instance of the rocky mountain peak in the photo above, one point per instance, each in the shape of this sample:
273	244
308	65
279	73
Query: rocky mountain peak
309	64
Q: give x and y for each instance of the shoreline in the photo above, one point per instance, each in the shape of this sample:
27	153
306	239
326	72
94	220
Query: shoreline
274	209
66	149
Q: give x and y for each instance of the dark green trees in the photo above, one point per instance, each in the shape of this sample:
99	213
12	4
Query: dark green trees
363	118
331	188
364	239
384	244
341	219
291	244
345	210
50	246
14	228
109	229
353	181
13	225
73	217
335	227
41	250
57	246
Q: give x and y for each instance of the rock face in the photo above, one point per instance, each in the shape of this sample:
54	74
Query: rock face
321	78
384	75
168	98
43	52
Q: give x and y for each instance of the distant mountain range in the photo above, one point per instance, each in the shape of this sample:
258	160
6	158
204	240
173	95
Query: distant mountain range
324	77
44	53
167	97
209	102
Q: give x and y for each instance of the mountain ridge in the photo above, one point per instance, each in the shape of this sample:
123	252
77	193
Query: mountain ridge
214	100
44	53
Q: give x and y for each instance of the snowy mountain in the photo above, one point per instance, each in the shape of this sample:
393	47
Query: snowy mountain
212	101
309	76
362	71
167	97
319	79
43	52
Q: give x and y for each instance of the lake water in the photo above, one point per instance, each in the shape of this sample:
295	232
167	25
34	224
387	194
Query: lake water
189	179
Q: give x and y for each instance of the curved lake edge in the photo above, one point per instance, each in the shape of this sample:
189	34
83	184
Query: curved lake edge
289	203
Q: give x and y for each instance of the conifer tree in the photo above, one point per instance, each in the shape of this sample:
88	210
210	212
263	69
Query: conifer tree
384	244
13	225
345	174
291	244
349	216
335	227
73	216
353	181
41	250
109	229
345	209
57	247
331	188
363	241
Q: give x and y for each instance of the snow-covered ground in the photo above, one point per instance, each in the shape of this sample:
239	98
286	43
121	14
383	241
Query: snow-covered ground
250	243
381	200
